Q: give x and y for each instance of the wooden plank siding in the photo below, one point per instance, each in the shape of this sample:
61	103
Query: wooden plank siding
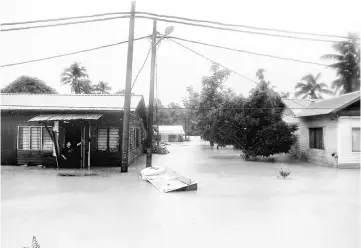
11	155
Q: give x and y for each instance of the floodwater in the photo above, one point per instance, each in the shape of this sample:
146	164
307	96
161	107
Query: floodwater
237	204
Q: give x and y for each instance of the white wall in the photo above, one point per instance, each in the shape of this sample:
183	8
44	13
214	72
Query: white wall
345	154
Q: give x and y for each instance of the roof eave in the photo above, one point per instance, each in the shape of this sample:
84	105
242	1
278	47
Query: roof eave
346	105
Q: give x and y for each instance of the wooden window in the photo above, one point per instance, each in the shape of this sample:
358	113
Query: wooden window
113	139
34	138
137	138
108	139
102	139
46	140
131	138
356	139
316	138
24	138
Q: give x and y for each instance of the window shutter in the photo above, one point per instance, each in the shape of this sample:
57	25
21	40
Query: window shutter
35	138
102	139
311	136
24	138
113	139
316	138
137	141
47	142
320	138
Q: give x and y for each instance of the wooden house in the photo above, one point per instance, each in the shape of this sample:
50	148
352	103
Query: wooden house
36	127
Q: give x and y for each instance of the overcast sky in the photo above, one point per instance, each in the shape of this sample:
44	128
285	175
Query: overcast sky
177	67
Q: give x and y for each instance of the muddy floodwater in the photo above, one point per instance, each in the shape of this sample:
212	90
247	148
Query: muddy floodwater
237	204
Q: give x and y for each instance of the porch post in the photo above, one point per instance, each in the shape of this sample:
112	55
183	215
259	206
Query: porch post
89	141
56	145
83	146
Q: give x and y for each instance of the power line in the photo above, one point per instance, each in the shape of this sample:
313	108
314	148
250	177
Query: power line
145	60
64	18
242	26
237	30
304	106
213	61
179	18
68	54
249	52
64	24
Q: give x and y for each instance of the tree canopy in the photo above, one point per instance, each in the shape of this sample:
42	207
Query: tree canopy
76	76
101	88
347	64
311	88
30	85
253	124
123	92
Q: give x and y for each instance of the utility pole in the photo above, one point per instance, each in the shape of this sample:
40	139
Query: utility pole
128	86
185	126
156	117
151	96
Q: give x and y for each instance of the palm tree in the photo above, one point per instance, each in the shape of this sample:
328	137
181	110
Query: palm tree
102	88
77	77
347	65
311	88
259	74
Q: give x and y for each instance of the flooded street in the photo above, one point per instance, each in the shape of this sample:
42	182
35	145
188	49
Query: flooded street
238	204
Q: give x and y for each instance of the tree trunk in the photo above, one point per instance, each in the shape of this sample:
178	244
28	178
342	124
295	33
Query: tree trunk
211	143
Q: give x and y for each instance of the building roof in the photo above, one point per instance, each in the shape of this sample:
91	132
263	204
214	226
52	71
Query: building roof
66	117
297	105
69	102
328	106
176	129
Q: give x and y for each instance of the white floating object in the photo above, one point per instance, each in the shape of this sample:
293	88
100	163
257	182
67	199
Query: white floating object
152	171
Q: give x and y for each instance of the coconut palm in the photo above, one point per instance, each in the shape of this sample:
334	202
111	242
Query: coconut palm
347	65
77	77
102	88
259	74
311	88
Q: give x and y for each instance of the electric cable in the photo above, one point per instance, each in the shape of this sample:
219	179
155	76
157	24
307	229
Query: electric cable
68	54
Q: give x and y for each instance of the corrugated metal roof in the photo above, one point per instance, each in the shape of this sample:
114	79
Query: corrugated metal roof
297	105
71	102
66	117
328	106
177	129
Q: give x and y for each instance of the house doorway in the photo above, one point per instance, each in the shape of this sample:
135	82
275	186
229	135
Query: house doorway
72	134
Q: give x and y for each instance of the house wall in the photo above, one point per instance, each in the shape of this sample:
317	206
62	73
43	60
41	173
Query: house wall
10	155
347	158
134	151
330	139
